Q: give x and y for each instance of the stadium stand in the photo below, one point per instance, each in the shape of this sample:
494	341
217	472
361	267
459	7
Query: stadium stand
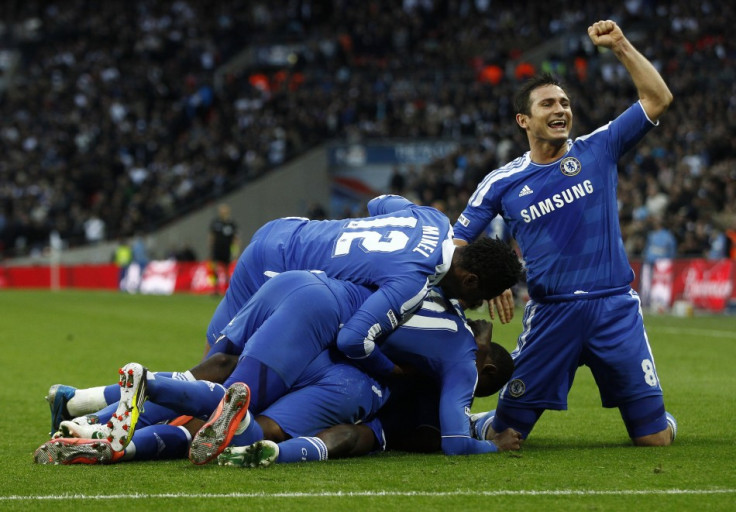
115	119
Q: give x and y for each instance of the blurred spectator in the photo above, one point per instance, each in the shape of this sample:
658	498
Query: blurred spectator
316	212
661	243
397	183
121	119
223	239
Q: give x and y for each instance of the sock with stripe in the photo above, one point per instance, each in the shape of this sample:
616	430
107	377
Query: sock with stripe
302	449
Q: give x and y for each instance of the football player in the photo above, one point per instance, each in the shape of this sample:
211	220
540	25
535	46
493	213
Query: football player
559	200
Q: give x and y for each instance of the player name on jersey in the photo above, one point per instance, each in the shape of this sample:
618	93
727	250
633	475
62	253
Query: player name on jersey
429	241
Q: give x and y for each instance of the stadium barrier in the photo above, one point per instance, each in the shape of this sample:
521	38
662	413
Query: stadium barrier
157	277
689	284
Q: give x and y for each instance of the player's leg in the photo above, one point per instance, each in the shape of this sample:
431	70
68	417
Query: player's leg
343	395
545	361
287	323
230	418
195	398
67	402
622	364
248	276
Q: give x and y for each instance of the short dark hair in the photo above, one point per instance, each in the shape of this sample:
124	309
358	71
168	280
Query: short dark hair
489	383
521	100
494	262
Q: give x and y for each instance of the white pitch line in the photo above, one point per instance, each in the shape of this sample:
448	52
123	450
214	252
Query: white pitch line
567	492
696	332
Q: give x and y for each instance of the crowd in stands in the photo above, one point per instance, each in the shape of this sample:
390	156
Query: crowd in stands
119	117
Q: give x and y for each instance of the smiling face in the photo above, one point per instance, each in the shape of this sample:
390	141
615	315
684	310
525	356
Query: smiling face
550	116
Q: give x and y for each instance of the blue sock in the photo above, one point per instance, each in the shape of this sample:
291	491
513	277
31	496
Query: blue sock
159	442
520	419
198	398
105	414
302	449
112	393
152	414
250	435
482	424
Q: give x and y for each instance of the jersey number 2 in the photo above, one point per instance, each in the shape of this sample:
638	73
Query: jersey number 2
371	241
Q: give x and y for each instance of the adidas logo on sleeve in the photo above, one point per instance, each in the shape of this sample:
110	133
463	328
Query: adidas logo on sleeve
525	191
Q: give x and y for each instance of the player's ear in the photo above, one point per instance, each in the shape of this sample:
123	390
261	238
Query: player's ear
489	369
521	120
471	281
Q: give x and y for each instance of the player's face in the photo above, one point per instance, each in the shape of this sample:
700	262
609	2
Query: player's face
551	115
471	298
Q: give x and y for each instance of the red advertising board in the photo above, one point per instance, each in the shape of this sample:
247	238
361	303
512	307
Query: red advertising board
706	284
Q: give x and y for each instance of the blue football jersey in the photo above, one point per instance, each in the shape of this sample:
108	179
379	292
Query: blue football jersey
439	343
400	252
564	215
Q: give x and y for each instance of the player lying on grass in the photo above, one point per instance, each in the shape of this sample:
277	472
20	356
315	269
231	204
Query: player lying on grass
414	419
287	323
410	421
451	363
331	391
447	353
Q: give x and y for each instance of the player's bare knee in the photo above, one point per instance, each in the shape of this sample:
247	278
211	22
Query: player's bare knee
272	431
661	438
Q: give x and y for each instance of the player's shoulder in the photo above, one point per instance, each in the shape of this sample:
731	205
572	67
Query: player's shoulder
511	169
506	174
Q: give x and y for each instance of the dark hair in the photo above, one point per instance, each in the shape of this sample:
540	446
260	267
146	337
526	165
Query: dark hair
504	366
494	262
489	383
521	100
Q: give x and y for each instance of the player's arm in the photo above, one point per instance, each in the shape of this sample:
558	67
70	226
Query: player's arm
388	204
358	339
456	395
653	92
379	315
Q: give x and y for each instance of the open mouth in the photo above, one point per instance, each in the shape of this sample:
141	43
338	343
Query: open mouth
558	124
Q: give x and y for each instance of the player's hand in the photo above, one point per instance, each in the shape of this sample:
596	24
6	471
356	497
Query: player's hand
605	33
504	304
508	440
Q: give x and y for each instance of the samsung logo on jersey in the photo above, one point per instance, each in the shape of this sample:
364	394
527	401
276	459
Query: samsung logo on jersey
557	201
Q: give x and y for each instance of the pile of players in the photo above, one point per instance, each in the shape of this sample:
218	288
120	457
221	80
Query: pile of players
378	328
356	356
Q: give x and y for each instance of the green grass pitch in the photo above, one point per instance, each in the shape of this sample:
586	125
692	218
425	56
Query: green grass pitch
579	459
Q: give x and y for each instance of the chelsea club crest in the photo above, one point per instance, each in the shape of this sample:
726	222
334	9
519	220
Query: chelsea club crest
570	166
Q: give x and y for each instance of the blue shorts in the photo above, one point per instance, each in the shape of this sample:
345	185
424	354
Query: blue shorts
606	334
343	394
290	320
255	266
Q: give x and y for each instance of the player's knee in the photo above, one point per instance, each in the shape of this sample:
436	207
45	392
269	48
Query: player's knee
271	430
661	438
340	440
646	421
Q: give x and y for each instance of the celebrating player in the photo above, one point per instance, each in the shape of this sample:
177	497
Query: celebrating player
559	200
401	252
